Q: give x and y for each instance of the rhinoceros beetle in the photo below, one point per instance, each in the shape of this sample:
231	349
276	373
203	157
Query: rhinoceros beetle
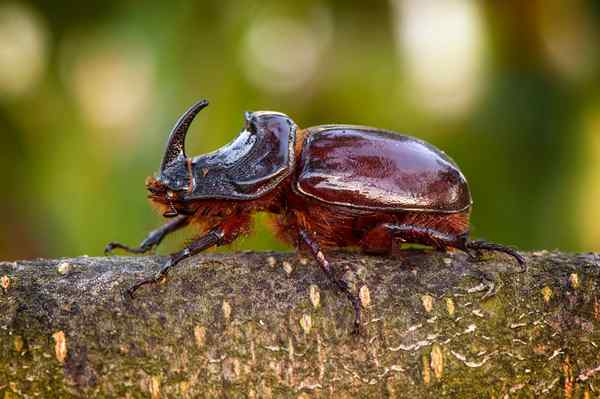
328	186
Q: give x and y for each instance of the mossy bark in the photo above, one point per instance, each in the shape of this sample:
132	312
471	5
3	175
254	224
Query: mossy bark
270	325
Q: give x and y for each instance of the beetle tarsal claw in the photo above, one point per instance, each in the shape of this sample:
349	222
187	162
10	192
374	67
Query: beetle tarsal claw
133	289
130	292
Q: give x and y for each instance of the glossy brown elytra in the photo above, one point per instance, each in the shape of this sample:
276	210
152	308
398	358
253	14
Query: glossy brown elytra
329	186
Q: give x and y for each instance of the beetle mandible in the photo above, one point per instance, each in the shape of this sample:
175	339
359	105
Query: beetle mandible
329	186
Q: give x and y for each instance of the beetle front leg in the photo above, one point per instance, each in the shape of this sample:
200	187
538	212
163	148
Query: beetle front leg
153	239
212	238
314	248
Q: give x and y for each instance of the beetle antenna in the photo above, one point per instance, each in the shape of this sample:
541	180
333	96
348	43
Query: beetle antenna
176	142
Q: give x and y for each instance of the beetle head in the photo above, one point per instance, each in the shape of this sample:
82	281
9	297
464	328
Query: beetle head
251	165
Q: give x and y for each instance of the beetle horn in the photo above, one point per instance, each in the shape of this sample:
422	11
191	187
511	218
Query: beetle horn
176	143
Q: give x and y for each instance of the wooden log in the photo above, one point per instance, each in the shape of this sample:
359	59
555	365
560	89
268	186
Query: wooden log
270	325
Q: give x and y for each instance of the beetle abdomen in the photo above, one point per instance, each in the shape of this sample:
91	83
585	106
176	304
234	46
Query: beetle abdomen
370	168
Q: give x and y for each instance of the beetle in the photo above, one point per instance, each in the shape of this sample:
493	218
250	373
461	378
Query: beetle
329	186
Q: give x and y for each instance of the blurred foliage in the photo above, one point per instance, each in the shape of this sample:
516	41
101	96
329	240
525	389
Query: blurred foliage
89	91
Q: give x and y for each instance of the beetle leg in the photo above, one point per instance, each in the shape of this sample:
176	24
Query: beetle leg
478	245
314	248
414	234
438	239
153	239
214	237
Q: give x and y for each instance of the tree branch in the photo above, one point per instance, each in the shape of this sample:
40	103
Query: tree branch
270	325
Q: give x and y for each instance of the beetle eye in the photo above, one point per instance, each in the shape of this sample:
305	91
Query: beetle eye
250	124
251	127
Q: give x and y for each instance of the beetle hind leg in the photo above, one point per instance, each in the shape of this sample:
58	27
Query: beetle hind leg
381	238
381	235
478	245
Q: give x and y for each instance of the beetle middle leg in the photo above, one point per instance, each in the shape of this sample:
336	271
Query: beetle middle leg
315	250
153	239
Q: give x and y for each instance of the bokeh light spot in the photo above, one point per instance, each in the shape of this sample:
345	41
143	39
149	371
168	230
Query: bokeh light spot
281	54
567	35
112	81
441	47
22	49
588	212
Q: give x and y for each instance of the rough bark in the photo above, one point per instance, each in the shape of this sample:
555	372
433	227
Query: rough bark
270	325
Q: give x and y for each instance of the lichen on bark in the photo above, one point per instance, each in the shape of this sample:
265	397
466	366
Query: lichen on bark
243	325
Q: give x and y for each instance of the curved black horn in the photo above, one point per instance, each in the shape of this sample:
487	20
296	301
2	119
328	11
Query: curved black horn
176	143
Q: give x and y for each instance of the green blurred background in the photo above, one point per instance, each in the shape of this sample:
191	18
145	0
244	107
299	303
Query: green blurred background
89	91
